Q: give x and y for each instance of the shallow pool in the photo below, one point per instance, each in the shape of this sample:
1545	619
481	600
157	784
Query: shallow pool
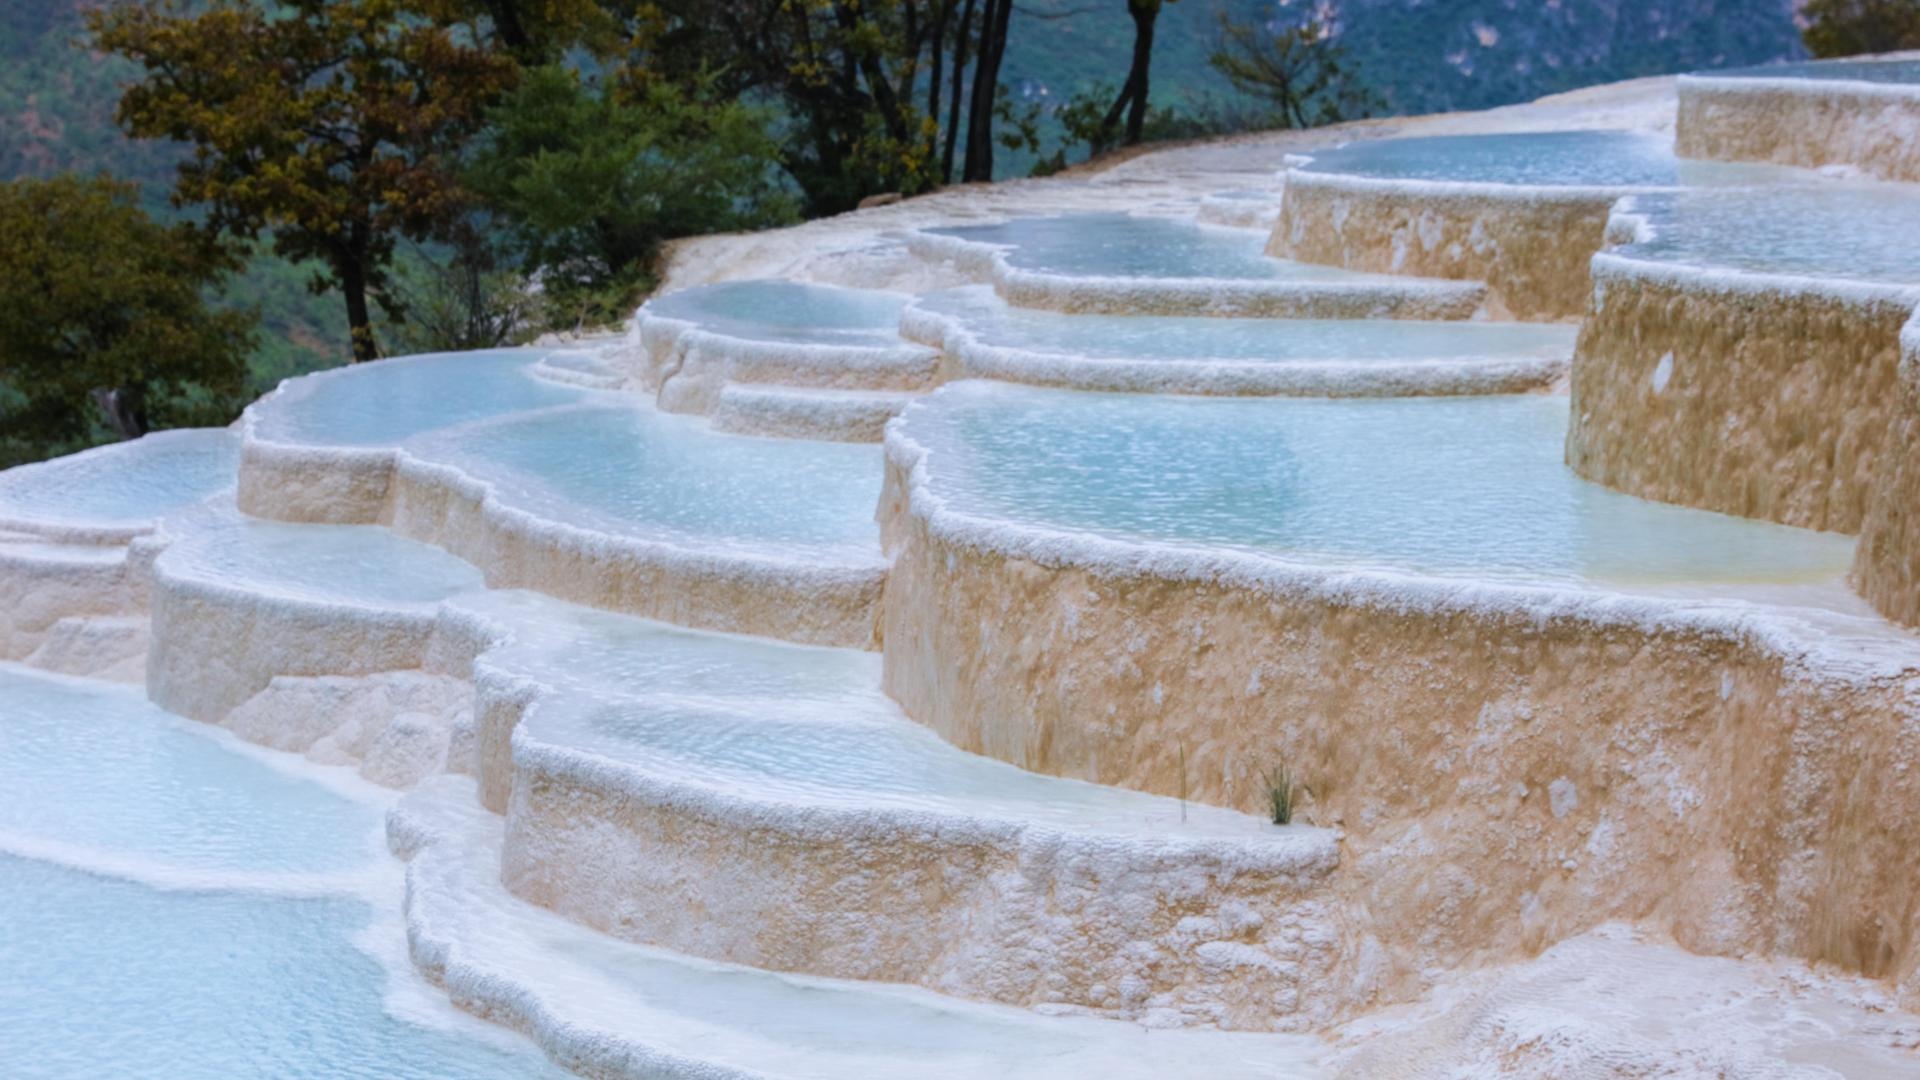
635	471
124	485
994	322
1862	232
1546	159
786	311
381	404
1473	487
177	905
1124	246
1874	71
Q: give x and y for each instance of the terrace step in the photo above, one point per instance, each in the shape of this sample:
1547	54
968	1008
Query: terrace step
608	1008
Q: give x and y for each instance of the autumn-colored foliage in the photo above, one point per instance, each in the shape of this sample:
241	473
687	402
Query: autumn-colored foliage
105	329
331	125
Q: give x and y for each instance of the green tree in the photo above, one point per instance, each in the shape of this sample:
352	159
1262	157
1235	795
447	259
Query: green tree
1851	27
105	326
589	181
1299	71
330	124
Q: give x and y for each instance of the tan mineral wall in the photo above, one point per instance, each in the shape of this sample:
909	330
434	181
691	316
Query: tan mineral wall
1530	246
1886	566
971	910
1762	402
1806	122
1506	776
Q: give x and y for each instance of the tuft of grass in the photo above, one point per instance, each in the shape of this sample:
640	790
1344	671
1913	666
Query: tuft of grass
1281	791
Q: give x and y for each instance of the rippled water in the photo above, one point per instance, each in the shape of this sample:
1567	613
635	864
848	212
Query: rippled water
995	322
1466	486
1547	158
787	311
757	717
172	905
380	404
1121	245
125	483
636	471
1850	231
320	562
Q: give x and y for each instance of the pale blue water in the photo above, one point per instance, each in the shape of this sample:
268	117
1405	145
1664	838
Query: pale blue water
1868	232
1156	337
1548	158
787	311
106	978
759	717
1473	487
321	562
383	403
124	483
636	471
175	907
1877	71
1121	245
96	767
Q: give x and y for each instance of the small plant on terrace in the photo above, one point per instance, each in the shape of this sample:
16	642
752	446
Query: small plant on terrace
1281	793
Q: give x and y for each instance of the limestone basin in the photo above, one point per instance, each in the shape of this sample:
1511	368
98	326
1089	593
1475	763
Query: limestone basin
632	509
321	448
983	336
1127	264
1468	488
1522	212
708	793
113	493
158	881
781	357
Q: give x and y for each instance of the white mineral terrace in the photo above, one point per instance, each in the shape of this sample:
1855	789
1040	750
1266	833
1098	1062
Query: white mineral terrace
1521	212
1855	116
780	358
982	336
711	743
1130	265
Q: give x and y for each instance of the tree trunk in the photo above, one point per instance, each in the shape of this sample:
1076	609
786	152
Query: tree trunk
125	410
986	80
936	69
1145	13
353	285
953	106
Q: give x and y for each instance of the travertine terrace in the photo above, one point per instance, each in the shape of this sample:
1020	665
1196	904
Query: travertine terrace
885	657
